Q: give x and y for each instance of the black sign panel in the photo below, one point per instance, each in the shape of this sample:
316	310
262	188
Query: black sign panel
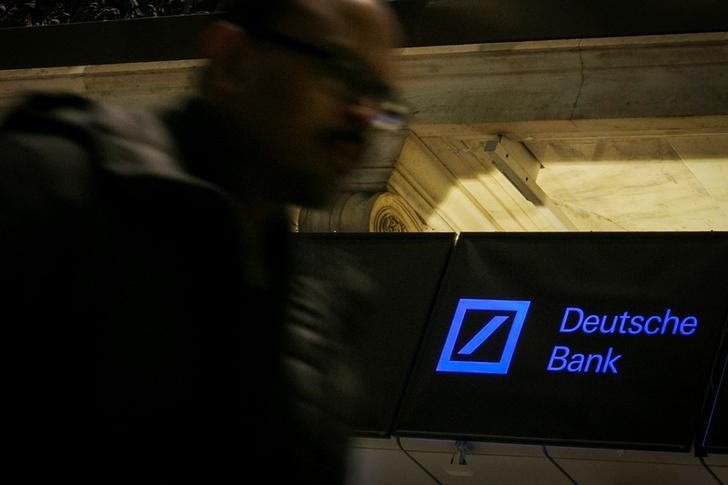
598	339
401	275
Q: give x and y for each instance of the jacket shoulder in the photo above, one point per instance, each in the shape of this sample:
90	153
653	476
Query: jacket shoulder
57	142
36	166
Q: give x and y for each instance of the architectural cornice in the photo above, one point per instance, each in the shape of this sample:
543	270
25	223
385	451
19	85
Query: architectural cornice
594	113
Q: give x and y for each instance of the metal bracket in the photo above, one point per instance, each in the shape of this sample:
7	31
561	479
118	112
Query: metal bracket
521	168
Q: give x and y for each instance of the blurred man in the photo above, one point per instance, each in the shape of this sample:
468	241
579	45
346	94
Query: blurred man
144	256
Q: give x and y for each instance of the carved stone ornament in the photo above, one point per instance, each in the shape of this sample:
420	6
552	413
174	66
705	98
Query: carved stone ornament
350	212
391	213
33	13
362	212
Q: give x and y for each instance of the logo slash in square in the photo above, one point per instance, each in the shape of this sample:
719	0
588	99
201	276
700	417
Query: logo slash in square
515	308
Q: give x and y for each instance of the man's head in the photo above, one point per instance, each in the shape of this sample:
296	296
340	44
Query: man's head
301	84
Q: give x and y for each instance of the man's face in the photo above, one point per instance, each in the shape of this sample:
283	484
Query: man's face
319	73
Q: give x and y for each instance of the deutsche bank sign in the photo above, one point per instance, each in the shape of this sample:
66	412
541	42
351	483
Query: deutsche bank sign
513	310
459	351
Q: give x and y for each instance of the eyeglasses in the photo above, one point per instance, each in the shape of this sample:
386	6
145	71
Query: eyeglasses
352	79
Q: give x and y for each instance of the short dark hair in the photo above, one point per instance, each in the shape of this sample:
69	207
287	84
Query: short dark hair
254	14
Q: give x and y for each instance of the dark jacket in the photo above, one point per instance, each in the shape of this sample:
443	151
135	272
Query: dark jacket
143	311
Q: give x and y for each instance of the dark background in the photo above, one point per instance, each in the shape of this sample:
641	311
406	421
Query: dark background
434	22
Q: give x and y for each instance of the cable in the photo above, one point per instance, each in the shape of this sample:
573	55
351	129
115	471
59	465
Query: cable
566	474
418	463
705	465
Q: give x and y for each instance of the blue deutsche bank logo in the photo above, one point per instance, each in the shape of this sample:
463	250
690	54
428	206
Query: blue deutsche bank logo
510	308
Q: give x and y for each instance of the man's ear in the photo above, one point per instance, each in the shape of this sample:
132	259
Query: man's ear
224	45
